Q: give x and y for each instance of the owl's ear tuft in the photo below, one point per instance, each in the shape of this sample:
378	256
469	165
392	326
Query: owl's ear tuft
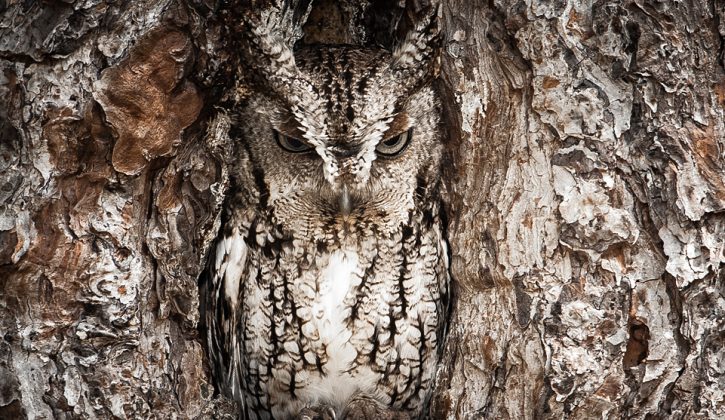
416	58
270	28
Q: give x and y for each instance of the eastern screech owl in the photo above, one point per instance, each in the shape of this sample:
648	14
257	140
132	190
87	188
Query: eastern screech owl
328	284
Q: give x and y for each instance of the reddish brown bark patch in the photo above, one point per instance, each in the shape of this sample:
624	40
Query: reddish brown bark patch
148	101
8	242
62	132
550	82
706	145
78	145
62	250
637	345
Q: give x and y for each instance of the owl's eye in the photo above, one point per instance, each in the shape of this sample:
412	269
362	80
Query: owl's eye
291	144
394	145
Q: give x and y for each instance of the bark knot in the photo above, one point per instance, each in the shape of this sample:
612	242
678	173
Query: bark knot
148	100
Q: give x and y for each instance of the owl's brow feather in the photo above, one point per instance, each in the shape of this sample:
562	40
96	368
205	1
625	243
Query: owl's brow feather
400	122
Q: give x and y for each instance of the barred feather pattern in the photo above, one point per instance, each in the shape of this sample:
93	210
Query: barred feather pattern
321	321
311	304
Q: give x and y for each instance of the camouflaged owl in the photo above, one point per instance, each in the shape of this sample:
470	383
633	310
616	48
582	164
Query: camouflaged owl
326	292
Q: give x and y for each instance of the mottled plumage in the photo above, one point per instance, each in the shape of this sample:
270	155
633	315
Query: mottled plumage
328	285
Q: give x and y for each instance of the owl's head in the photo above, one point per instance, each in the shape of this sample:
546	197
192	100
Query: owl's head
344	135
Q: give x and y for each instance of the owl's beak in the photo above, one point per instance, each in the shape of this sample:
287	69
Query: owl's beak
344	201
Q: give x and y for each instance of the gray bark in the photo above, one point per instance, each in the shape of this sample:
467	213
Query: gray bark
585	197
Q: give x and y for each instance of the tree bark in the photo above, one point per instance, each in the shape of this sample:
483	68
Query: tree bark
585	194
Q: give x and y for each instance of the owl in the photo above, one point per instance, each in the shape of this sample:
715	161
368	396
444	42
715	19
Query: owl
326	292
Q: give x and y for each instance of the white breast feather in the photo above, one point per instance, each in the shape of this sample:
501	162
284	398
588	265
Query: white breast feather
341	276
235	250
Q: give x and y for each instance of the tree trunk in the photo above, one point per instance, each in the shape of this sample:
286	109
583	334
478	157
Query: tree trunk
585	195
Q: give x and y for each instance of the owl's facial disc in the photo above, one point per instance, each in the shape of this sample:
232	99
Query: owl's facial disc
360	152
346	184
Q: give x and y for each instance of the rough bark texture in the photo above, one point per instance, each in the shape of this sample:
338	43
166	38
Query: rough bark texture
587	201
586	198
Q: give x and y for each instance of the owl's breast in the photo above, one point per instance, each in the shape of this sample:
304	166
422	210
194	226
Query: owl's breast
330	333
323	323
